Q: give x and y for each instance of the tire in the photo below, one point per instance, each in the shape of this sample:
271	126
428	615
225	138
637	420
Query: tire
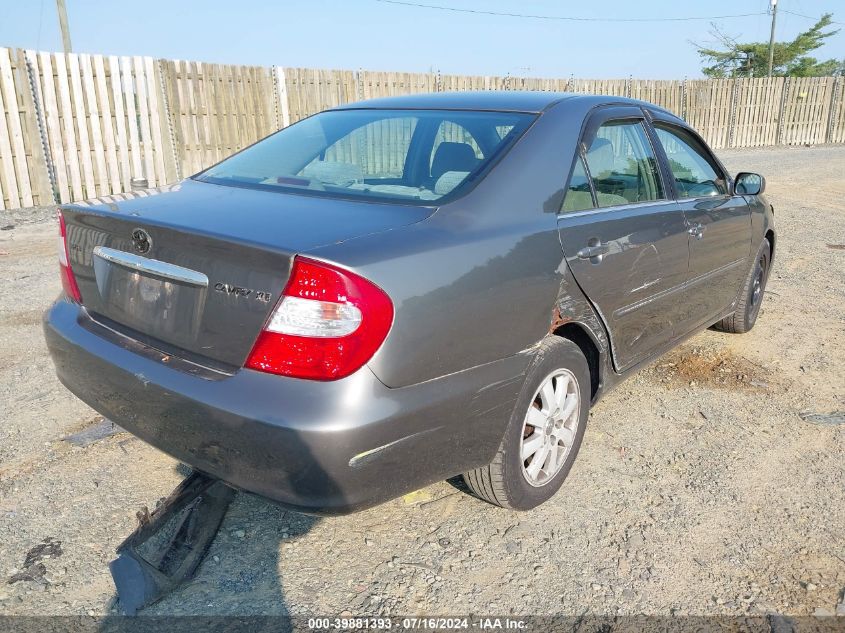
507	480
751	297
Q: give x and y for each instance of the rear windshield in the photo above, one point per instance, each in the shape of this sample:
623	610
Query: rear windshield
411	156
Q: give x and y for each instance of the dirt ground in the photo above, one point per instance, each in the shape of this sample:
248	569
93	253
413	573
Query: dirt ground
699	489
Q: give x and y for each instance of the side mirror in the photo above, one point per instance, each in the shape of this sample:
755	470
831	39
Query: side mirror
748	184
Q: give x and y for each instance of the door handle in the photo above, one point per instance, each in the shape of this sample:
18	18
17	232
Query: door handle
596	250
696	230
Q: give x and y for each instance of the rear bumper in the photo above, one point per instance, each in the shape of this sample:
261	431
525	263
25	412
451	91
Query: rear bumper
318	447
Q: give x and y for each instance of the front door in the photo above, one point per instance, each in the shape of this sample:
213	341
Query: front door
719	226
623	236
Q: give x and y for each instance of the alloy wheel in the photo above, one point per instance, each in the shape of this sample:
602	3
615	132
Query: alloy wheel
550	427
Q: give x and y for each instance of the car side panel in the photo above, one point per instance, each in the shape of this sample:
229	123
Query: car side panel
460	299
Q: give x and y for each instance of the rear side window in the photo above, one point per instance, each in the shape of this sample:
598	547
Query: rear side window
412	156
693	170
622	165
578	195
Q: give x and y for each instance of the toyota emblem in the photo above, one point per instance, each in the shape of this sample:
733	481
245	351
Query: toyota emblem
142	241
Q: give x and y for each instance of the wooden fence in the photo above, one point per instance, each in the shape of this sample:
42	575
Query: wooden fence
215	110
76	126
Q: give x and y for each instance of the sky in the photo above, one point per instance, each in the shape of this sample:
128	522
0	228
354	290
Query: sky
377	35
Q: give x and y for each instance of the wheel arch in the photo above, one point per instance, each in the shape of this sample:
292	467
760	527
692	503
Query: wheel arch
583	338
770	235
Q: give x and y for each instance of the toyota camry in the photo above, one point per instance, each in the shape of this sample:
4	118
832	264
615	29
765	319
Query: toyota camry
398	291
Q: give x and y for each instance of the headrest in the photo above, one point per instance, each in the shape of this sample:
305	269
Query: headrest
453	157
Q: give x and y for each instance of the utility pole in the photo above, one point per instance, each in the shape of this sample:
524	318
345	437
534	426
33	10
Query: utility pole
772	36
60	7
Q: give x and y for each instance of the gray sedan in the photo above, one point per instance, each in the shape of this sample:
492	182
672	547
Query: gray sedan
398	291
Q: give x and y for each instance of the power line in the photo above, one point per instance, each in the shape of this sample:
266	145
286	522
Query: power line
562	17
809	17
40	22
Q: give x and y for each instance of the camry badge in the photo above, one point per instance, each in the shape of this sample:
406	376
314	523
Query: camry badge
243	293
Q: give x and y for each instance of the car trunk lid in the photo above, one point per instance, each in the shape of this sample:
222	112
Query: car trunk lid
195	269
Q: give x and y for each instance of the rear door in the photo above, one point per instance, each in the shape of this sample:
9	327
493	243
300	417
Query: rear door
719	224
623	235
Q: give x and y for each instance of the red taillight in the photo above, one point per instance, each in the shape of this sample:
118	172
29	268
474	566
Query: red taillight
328	323
66	272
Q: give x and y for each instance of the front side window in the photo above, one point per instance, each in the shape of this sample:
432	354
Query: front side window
692	168
622	165
410	156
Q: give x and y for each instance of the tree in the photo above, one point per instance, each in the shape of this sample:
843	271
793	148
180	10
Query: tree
790	58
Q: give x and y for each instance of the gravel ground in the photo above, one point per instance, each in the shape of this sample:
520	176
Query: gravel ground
699	488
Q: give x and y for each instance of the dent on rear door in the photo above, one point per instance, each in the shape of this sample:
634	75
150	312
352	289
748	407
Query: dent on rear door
630	285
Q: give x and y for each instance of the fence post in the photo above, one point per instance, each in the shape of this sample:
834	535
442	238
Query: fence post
831	115
168	115
277	115
684	99
628	86
359	81
32	78
280	87
732	119
782	111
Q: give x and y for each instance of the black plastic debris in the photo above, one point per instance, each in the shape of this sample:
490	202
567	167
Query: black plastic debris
33	569
170	543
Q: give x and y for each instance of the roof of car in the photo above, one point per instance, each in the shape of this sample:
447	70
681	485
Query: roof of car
502	100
